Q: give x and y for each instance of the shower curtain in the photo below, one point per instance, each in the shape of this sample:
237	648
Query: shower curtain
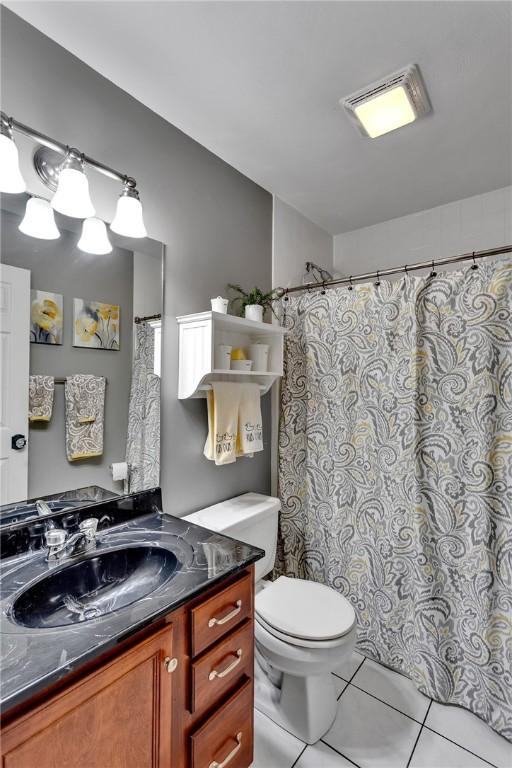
395	473
143	442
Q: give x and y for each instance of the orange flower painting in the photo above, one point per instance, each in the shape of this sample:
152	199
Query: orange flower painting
96	324
46	317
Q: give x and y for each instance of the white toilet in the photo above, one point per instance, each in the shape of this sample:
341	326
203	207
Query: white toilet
303	629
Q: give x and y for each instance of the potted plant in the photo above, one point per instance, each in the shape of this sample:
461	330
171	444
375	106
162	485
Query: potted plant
253	303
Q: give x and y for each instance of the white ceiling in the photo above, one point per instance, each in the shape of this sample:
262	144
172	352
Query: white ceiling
258	84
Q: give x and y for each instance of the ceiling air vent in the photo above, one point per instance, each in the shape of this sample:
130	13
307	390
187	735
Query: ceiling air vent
397	100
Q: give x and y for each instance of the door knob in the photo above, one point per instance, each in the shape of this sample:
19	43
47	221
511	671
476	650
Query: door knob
18	442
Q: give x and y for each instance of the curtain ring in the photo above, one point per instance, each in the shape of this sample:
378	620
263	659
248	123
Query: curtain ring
406	269
377	282
474	265
433	273
351	287
286	298
323	288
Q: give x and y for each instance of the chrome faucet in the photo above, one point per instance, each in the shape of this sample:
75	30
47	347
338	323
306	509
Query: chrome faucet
42	508
60	546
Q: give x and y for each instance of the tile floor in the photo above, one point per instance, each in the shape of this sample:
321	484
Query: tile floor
384	722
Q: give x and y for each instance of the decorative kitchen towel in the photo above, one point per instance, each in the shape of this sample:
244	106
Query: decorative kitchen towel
250	434
223	406
85	404
40	397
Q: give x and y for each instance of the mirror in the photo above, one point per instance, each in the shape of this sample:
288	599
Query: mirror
66	312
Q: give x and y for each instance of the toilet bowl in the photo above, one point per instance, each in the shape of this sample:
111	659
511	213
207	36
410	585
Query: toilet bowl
303	629
303	632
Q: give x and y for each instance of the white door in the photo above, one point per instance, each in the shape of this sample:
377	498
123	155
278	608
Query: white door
14	372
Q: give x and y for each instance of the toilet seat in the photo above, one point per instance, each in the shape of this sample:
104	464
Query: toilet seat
304	613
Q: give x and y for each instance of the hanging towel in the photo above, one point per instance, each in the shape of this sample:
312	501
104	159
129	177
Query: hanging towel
40	398
223	407
85	404
250	430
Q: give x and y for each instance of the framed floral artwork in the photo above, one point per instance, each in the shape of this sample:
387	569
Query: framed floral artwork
95	324
46	313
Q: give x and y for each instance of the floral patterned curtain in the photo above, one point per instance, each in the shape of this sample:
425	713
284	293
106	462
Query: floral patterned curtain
395	473
143	442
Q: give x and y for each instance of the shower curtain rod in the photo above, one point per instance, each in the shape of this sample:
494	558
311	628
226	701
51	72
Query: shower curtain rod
137	320
432	263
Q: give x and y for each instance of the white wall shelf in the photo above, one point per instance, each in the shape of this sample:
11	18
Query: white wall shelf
201	333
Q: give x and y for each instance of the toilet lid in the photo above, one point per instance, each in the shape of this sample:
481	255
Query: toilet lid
305	609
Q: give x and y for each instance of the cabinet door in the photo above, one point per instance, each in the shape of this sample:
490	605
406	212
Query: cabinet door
118	716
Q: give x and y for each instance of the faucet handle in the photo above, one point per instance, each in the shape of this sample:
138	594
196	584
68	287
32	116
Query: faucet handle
55	537
88	527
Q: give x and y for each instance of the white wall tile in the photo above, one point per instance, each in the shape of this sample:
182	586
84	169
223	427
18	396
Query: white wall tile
475	223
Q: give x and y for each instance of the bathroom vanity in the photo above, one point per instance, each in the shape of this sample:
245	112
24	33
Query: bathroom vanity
165	679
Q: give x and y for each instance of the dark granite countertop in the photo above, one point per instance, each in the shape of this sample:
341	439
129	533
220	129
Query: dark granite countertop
32	659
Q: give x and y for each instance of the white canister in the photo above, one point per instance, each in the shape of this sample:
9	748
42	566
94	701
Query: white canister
223	357
254	312
259	356
220	305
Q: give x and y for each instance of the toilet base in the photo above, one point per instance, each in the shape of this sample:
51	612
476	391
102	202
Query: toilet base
304	706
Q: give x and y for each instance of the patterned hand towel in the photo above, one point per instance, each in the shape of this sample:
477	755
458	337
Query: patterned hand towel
250	429
40	398
223	407
85	405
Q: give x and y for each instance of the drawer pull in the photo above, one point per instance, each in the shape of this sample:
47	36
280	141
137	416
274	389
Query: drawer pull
228	758
214	673
219	622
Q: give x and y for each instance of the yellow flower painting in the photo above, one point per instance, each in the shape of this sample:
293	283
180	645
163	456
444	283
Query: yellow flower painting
96	324
46	317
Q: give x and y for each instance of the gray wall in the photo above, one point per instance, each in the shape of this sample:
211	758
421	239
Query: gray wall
60	267
296	240
216	224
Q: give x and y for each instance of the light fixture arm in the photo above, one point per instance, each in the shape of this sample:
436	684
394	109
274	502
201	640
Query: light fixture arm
63	149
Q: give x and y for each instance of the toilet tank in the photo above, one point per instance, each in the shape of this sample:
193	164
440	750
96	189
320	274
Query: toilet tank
251	518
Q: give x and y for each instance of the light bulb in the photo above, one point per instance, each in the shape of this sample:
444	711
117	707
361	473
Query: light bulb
11	179
39	220
94	237
72	196
128	220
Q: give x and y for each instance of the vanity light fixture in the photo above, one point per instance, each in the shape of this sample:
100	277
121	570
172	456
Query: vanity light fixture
72	196
128	220
61	169
94	237
39	220
389	104
11	179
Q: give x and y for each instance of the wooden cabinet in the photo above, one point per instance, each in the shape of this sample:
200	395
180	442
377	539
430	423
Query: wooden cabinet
179	697
117	716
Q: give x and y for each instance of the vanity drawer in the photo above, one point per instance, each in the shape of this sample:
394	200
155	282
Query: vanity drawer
222	667
221	613
226	739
